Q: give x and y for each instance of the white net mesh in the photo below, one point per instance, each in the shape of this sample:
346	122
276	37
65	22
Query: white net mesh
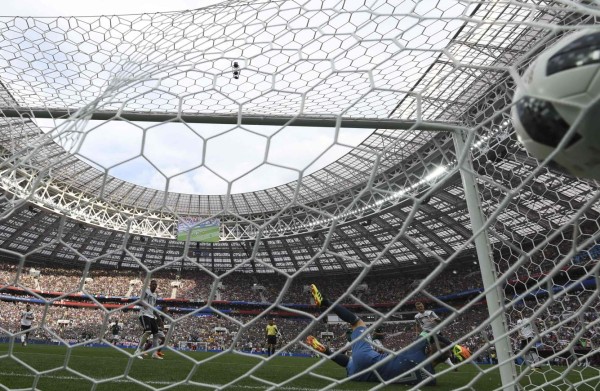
88	100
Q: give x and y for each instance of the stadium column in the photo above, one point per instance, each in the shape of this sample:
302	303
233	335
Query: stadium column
493	293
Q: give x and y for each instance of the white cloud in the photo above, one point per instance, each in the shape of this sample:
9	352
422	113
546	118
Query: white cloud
233	153
264	177
119	141
331	155
173	148
307	144
200	181
104	7
139	171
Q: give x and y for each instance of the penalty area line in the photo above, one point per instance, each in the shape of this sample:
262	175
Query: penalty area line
157	382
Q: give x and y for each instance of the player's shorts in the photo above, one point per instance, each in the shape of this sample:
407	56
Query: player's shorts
149	324
116	337
272	339
25	328
431	337
524	342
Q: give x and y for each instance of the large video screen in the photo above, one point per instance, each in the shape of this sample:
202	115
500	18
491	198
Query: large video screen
199	229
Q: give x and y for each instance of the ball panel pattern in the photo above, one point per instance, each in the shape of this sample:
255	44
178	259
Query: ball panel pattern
581	52
542	122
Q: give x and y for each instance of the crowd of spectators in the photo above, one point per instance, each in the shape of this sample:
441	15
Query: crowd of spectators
560	326
557	326
201	286
537	263
569	322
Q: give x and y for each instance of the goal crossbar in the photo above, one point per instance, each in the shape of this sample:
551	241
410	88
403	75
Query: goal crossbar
244	119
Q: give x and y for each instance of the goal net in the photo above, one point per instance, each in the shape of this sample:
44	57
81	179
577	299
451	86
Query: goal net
237	154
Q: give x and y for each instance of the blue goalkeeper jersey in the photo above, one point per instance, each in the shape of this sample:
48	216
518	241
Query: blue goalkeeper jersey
364	356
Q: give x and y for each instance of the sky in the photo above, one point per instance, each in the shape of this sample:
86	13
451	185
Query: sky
102	7
149	154
166	66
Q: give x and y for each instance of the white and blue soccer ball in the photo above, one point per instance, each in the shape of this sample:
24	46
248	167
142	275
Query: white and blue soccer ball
560	90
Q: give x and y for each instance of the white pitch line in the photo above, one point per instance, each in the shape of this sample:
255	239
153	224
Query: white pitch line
157	382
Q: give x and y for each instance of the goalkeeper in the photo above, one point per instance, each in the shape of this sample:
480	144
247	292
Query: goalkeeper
402	367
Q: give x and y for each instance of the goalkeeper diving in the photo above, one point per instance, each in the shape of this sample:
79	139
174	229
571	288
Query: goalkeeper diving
414	365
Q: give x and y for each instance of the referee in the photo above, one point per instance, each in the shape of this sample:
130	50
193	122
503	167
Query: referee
272	332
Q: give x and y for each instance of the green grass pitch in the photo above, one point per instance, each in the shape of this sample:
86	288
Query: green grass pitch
66	369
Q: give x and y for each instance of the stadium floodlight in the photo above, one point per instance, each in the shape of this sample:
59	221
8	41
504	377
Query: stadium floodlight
437	172
440	180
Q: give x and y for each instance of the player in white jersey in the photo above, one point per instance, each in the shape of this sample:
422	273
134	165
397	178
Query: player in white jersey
27	318
148	320
425	322
526	335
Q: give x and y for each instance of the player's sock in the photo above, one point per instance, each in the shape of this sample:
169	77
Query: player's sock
344	314
341	359
143	339
155	340
22	339
445	341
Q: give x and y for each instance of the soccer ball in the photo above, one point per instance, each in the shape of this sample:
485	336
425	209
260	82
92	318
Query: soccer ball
562	89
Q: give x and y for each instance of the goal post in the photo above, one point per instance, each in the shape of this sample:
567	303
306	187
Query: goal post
492	286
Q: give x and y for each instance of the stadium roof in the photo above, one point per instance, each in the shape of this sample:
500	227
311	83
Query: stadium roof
390	203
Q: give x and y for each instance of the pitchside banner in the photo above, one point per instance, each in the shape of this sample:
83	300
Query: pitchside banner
199	229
